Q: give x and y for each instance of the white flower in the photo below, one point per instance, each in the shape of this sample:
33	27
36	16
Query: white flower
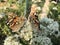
51	28
55	8
11	40
41	40
54	2
38	8
16	35
27	35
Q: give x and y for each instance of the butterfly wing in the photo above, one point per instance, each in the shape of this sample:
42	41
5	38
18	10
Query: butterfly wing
14	22
20	22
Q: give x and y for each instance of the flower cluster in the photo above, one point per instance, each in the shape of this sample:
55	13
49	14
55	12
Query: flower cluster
49	26
41	40
12	40
26	32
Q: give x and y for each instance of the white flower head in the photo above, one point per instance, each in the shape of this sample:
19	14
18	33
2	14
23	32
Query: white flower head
38	8
54	2
11	40
55	8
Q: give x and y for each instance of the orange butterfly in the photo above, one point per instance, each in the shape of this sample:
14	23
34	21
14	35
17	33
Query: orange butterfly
34	17
15	23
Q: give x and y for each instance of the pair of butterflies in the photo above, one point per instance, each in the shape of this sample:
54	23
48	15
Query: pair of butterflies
15	22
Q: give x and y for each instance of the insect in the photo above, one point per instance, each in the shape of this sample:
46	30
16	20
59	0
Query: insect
34	17
15	22
34	20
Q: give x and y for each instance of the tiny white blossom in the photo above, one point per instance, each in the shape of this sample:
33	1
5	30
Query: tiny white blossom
16	35
38	8
55	8
11	40
54	2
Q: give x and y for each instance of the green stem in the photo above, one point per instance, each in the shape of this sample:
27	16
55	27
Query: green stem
28	7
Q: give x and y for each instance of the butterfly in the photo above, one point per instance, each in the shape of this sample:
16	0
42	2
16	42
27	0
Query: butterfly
15	22
34	17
